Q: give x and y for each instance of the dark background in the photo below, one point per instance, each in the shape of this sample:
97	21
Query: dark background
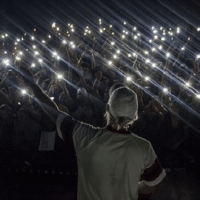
26	14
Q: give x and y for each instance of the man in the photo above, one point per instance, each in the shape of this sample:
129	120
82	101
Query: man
111	160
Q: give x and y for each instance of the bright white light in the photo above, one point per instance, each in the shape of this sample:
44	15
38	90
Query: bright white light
123	36
60	76
138	35
155	37
126	32
40	60
32	38
6	62
198	56
164	33
73	46
72	30
155	31
58	57
161	28
85	33
110	26
198	96
113	33
160	47
99	19
147	61
49	36
5	52
34	47
3	36
104	29
189	38
187	84
22	39
165	90
129	55
6	35
100	30
43	41
34	29
112	43
20	53
71	26
24	92
110	63
18	58
55	54
153	64
19	103
64	42
89	32
150	41
115	56
135	37
183	48
52	98
18	40
54	25
124	23
16	43
100	22
153	27
147	78
167	55
33	65
146	52
36	53
128	78
198	29
134	54
153	49
118	51
163	38
134	28
58	29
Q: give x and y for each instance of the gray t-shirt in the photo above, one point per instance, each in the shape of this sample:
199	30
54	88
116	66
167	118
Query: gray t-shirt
110	164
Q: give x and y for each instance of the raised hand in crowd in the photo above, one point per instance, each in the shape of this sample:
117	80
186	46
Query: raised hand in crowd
96	84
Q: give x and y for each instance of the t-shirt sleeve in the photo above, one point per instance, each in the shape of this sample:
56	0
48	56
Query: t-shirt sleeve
65	125
153	173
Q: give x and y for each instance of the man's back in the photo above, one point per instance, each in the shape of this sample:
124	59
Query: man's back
111	164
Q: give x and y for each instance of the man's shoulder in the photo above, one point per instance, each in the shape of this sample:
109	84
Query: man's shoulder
140	139
142	143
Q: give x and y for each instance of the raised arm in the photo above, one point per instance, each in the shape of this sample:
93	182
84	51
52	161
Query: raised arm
46	103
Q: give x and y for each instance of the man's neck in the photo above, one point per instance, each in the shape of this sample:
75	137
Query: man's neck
122	131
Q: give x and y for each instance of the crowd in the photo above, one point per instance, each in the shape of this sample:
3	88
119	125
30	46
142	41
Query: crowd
77	68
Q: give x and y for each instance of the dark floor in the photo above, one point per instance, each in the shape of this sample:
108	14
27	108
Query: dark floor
181	184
